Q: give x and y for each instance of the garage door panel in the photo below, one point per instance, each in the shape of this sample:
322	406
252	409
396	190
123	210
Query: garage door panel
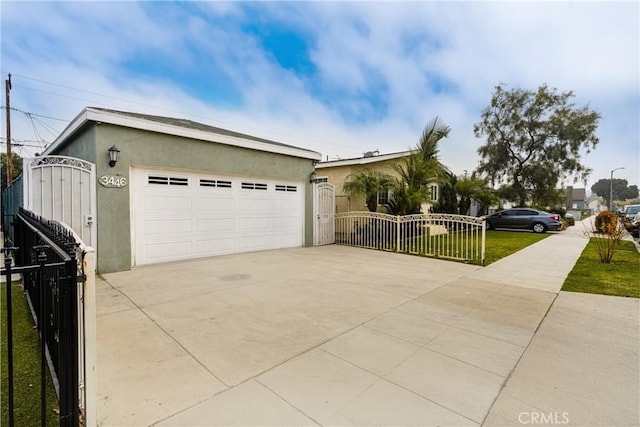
216	246
253	223
280	205
282	224
248	203
162	203
218	225
215	202
168	227
180	216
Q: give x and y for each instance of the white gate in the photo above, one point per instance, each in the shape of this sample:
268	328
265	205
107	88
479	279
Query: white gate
63	189
324	207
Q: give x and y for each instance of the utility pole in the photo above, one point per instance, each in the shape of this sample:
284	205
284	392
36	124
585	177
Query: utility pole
611	188
7	87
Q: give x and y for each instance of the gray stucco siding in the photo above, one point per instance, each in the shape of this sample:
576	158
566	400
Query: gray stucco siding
83	145
154	150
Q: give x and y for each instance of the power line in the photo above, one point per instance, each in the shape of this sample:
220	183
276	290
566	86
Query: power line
180	113
34	114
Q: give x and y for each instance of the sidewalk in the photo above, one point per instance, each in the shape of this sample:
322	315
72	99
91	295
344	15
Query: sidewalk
543	265
582	368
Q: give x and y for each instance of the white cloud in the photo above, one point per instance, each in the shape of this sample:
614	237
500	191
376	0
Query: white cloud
392	52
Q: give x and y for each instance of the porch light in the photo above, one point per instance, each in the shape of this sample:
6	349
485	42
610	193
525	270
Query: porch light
312	177
113	155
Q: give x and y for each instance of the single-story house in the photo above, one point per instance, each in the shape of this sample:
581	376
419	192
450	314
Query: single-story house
337	173
181	189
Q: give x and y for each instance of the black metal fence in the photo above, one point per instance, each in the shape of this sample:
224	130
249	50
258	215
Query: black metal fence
12	200
45	253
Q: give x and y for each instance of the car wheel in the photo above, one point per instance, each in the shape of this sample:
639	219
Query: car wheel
539	227
489	226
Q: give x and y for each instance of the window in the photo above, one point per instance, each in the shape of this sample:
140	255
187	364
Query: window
168	180
383	197
434	192
290	188
215	183
253	186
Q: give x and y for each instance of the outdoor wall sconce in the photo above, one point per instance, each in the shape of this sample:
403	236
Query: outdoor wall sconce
113	155
312	177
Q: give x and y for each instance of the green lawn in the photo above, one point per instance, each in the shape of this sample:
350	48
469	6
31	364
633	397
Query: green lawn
499	244
26	365
620	277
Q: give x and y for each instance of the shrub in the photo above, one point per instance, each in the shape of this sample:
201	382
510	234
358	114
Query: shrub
606	222
570	220
608	232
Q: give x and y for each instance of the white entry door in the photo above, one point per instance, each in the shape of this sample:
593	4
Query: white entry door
181	215
324	207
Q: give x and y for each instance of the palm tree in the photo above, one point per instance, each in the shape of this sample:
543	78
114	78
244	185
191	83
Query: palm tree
410	189
420	169
434	131
368	183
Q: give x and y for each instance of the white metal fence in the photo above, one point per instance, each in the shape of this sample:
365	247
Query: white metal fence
449	236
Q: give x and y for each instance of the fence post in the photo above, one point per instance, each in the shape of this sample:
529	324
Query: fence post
42	325
89	307
8	259
397	233
484	232
68	344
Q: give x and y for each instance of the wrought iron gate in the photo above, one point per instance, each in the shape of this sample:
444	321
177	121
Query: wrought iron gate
324	207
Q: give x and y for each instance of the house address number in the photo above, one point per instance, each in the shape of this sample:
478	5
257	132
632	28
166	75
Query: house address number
113	181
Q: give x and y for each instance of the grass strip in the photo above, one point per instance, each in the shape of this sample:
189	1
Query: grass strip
500	244
26	365
619	278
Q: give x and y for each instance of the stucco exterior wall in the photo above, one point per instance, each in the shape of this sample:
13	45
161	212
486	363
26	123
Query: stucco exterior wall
83	146
148	149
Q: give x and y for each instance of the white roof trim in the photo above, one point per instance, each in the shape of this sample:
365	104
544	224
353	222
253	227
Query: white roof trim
362	160
90	114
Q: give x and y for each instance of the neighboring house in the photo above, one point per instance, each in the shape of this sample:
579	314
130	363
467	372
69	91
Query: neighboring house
595	205
576	198
337	172
182	189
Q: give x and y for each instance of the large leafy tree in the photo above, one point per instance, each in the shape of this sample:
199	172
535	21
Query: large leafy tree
419	170
368	183
533	140
17	167
621	189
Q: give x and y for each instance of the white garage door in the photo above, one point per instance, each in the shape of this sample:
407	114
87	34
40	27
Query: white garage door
188	215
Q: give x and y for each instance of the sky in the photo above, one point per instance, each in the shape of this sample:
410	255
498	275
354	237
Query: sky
340	78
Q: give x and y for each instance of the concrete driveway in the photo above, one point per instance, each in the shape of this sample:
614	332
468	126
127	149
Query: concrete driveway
311	336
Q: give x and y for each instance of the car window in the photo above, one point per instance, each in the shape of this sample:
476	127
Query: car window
528	212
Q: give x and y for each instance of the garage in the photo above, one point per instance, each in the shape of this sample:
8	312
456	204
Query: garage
188	215
171	189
